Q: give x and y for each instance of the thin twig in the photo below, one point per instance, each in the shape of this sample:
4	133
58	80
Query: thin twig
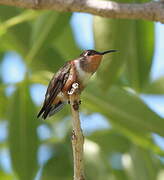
77	134
153	11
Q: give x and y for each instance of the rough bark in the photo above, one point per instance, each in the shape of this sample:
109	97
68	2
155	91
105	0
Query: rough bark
77	134
153	11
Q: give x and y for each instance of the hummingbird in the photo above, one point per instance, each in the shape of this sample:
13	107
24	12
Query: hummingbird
75	71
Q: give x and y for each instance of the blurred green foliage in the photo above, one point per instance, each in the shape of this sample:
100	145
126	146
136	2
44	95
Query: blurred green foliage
126	151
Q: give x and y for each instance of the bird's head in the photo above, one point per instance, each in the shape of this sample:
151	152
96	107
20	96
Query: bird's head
90	59
89	53
92	55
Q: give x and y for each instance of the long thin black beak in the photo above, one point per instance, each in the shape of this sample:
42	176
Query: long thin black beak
105	52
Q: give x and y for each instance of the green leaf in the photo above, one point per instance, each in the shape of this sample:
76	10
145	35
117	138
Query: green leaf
155	87
20	18
96	166
126	109
7	12
140	54
1	59
48	26
6	176
66	44
42	77
110	141
61	160
140	139
17	37
108	36
4	102
23	140
135	42
47	59
118	139
145	166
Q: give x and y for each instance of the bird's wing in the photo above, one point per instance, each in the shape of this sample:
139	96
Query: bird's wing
55	86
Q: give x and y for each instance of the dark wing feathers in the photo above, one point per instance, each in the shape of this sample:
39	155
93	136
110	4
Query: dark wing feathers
56	108
55	86
47	103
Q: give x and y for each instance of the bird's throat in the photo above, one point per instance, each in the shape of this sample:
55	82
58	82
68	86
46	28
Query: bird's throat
91	64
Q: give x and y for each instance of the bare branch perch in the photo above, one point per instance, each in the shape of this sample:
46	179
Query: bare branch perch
77	134
153	11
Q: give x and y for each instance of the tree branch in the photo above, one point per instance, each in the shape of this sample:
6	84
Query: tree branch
153	11
77	134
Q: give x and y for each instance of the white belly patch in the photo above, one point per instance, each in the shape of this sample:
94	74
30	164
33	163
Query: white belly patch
83	76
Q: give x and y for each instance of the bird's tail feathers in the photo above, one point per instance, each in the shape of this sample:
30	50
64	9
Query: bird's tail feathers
56	108
51	110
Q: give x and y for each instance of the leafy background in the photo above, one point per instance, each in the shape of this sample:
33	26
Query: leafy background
121	129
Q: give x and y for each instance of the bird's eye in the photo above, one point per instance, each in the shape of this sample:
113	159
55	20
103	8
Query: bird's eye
89	53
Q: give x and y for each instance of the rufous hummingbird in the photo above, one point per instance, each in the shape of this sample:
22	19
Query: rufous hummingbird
75	71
